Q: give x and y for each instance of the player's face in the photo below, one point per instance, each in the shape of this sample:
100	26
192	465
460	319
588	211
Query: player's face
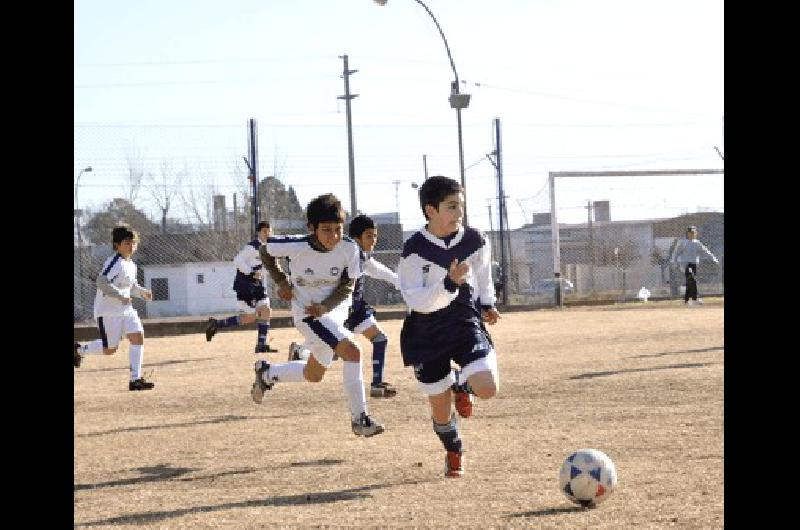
264	233
691	235
368	239
447	218
126	248
329	234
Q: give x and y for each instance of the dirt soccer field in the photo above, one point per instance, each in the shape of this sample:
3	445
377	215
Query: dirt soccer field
641	382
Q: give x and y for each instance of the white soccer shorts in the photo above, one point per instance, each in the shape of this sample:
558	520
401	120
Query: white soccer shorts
322	335
113	328
247	309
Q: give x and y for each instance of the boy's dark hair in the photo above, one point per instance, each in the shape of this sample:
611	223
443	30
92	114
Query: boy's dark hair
435	189
121	233
323	209
359	225
262	224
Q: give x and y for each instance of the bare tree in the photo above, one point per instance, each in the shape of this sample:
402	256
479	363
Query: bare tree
135	173
197	199
164	188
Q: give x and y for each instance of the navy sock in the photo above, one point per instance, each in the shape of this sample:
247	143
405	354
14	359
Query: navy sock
263	329
448	435
378	358
228	322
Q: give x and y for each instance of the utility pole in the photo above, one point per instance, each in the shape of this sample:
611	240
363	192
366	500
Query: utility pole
590	213
425	165
252	165
347	97
502	212
396	201
491	225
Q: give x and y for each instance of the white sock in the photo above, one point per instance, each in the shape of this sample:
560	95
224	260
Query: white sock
353	383
94	347
136	353
287	372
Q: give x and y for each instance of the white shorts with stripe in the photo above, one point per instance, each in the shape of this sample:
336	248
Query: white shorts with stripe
113	328
322	335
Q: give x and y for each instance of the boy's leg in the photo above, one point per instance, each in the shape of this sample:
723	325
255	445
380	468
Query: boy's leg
262	316
214	324
353	385
435	379
111	331
378	388
478	376
135	333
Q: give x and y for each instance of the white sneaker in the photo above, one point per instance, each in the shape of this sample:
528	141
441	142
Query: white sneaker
259	385
366	426
699	301
298	353
689	303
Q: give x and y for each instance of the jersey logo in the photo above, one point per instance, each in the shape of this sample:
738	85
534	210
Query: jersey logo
425	270
309	271
334	271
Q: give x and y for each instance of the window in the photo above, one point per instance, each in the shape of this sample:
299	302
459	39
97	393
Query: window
201	278
160	288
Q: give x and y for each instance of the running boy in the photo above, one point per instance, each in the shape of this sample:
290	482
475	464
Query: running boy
250	292
361	319
687	255
113	311
446	281
325	267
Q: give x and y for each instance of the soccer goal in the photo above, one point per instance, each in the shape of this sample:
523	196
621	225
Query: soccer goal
610	233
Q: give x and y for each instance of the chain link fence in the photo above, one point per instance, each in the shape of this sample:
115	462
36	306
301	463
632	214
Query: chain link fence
602	255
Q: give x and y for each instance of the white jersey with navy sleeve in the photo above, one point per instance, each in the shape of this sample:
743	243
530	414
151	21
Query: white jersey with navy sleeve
248	260
314	274
121	275
425	263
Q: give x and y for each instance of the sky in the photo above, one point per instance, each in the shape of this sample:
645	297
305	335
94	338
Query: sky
577	85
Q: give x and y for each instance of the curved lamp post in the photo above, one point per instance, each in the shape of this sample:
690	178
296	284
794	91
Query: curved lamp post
458	101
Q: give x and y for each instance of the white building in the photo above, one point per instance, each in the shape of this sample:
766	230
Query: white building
197	288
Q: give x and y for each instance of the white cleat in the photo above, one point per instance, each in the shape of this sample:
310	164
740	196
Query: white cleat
259	385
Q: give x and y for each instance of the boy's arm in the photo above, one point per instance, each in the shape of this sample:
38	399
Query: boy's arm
342	291
376	269
107	288
484	287
279	277
424	298
709	254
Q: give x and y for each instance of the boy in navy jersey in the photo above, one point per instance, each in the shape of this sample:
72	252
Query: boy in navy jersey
362	315
250	292
324	267
446	281
113	311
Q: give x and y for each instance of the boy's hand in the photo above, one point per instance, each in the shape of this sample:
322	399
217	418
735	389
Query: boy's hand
147	294
285	292
458	271
490	316
316	310
126	300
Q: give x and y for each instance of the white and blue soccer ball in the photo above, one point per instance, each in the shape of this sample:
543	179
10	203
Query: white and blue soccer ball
587	477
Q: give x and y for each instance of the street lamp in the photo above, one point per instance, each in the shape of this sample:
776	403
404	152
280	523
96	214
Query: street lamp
457	100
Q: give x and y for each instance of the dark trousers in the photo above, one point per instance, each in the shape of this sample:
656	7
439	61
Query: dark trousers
691	282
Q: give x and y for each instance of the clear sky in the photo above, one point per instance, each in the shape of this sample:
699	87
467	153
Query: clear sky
578	85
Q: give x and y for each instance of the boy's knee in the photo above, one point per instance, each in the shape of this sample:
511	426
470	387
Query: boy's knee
349	351
313	377
263	313
486	392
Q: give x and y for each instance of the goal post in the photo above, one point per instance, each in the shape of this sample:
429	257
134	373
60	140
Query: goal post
642	254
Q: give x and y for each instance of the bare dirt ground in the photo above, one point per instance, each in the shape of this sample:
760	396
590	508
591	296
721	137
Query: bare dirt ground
641	382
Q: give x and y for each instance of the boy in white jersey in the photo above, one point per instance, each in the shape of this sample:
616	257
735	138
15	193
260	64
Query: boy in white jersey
446	280
250	292
324	267
113	311
687	255
361	316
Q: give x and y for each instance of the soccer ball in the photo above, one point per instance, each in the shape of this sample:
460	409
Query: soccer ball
587	477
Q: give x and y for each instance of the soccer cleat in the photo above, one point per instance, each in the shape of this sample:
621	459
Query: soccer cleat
454	464
77	357
259	385
296	352
140	384
211	329
366	426
265	348
382	390
463	402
